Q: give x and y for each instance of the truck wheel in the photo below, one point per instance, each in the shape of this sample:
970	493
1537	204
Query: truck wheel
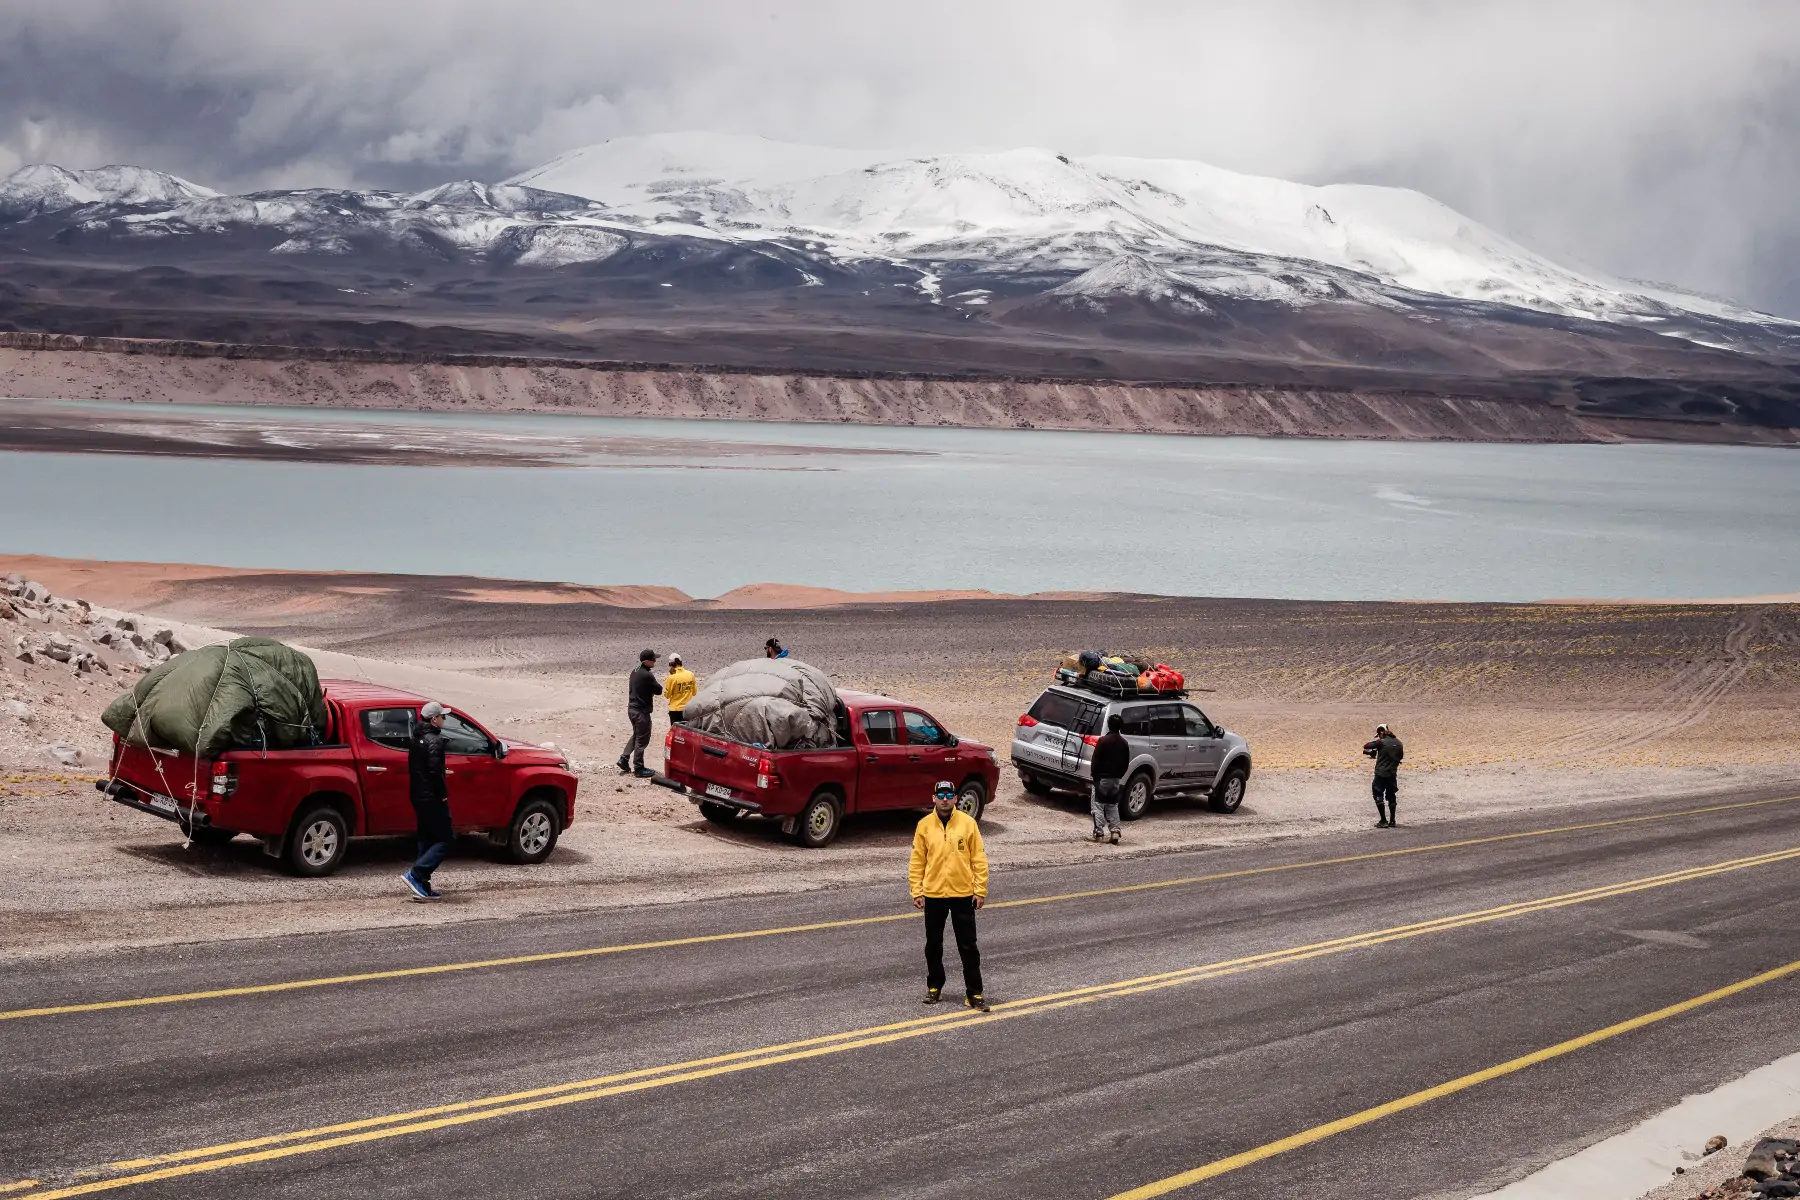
316	844
818	822
1034	785
1134	801
1229	794
972	799
718	814
534	831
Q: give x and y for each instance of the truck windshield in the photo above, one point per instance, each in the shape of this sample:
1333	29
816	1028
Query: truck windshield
1066	712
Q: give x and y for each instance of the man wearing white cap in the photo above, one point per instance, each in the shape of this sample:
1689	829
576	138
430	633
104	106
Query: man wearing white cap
430	793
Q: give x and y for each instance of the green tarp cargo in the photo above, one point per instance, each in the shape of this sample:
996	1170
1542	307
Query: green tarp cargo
252	693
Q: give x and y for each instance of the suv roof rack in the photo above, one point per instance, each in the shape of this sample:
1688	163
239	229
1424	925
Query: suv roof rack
1116	687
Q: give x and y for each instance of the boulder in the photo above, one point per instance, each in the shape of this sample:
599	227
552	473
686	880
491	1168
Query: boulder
1761	1164
35	592
1714	1144
128	624
62	754
25	656
19	711
102	634
166	637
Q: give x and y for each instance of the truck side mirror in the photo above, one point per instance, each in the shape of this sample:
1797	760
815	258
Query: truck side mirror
499	748
950	740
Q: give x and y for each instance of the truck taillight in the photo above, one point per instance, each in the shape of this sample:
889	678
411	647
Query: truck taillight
669	740
1088	739
765	773
1027	720
224	778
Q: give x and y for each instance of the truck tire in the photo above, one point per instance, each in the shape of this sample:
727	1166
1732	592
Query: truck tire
1033	784
818	822
1229	793
972	798
718	814
533	833
1134	797
316	843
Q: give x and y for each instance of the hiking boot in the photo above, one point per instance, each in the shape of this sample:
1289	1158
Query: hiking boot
644	773
624	767
419	891
1114	839
1096	836
1381	824
934	995
976	1002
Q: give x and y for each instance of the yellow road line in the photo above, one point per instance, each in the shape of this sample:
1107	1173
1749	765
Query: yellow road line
308	1141
291	985
1319	1133
18	1185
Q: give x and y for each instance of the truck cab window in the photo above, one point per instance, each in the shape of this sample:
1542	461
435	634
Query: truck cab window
390	727
881	727
460	737
1137	720
1197	724
921	730
1166	720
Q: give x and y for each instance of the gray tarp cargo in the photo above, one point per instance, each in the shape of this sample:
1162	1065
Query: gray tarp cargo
250	693
781	703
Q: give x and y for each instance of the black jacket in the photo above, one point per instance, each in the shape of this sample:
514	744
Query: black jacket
425	764
644	689
1387	753
1112	754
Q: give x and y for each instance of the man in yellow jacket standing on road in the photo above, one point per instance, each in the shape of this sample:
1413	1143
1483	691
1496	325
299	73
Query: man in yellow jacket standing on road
949	877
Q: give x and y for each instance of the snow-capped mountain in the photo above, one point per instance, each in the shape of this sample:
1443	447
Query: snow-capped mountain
715	248
43	188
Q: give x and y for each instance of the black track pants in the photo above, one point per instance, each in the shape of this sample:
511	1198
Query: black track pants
961	911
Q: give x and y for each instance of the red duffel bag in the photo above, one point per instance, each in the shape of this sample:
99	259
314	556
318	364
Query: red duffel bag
1163	678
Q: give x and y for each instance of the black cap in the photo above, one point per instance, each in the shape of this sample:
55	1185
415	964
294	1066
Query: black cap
771	644
647	656
1115	722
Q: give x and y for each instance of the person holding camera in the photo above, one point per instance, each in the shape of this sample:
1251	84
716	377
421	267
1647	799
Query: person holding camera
1387	752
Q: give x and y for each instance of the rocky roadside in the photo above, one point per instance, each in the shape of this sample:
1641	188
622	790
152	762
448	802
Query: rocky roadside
59	648
1770	1168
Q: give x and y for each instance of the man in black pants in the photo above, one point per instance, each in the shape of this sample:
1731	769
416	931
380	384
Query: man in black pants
1387	752
1112	754
641	689
430	793
949	878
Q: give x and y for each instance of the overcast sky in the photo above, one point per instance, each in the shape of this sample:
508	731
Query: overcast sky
1656	140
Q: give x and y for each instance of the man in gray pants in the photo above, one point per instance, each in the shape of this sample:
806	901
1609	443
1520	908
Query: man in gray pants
1112	755
641	691
1388	753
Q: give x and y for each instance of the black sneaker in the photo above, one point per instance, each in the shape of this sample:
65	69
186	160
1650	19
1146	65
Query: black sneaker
644	773
977	1002
624	767
934	995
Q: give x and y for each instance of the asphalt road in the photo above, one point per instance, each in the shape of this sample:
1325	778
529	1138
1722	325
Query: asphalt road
1199	1007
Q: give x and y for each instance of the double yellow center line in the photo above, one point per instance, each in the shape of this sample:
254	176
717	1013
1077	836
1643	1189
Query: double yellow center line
369	1129
554	956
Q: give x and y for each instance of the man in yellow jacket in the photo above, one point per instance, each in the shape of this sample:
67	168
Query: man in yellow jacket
949	877
678	688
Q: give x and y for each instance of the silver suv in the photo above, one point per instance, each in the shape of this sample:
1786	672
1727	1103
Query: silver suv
1175	749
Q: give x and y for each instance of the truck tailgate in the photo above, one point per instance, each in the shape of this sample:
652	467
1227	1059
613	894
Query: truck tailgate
714	764
161	774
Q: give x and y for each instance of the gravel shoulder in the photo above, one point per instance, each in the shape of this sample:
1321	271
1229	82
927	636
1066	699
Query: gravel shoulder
1539	711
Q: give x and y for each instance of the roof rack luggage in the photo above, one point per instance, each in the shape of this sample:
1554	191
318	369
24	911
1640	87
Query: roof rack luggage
1118	687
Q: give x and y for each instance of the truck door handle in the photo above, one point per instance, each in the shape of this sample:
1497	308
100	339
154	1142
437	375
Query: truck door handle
912	758
375	769
874	758
448	771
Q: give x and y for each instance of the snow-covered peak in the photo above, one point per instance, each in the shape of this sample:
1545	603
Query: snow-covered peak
1047	211
1130	276
495	197
46	188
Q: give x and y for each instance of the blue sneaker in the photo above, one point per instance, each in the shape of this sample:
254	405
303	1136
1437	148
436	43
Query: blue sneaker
645	773
419	890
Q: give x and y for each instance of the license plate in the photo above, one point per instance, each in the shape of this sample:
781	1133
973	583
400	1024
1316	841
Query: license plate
719	790
161	804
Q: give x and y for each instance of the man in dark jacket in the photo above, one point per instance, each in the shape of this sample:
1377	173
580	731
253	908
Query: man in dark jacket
1112	755
430	798
1387	752
641	691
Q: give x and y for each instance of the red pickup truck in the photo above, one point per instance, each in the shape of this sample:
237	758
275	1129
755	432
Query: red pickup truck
888	757
306	804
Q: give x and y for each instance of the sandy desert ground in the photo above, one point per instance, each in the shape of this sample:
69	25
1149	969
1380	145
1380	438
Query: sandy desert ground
1520	708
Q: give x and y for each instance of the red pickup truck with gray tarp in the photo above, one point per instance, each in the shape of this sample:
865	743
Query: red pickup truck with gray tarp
862	753
339	771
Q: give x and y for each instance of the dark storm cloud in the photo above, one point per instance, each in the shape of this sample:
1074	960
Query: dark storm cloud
1658	140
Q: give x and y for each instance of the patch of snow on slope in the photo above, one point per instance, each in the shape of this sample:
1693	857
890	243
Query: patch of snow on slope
1129	276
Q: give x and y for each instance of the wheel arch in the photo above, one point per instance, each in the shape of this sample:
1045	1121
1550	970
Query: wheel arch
345	805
